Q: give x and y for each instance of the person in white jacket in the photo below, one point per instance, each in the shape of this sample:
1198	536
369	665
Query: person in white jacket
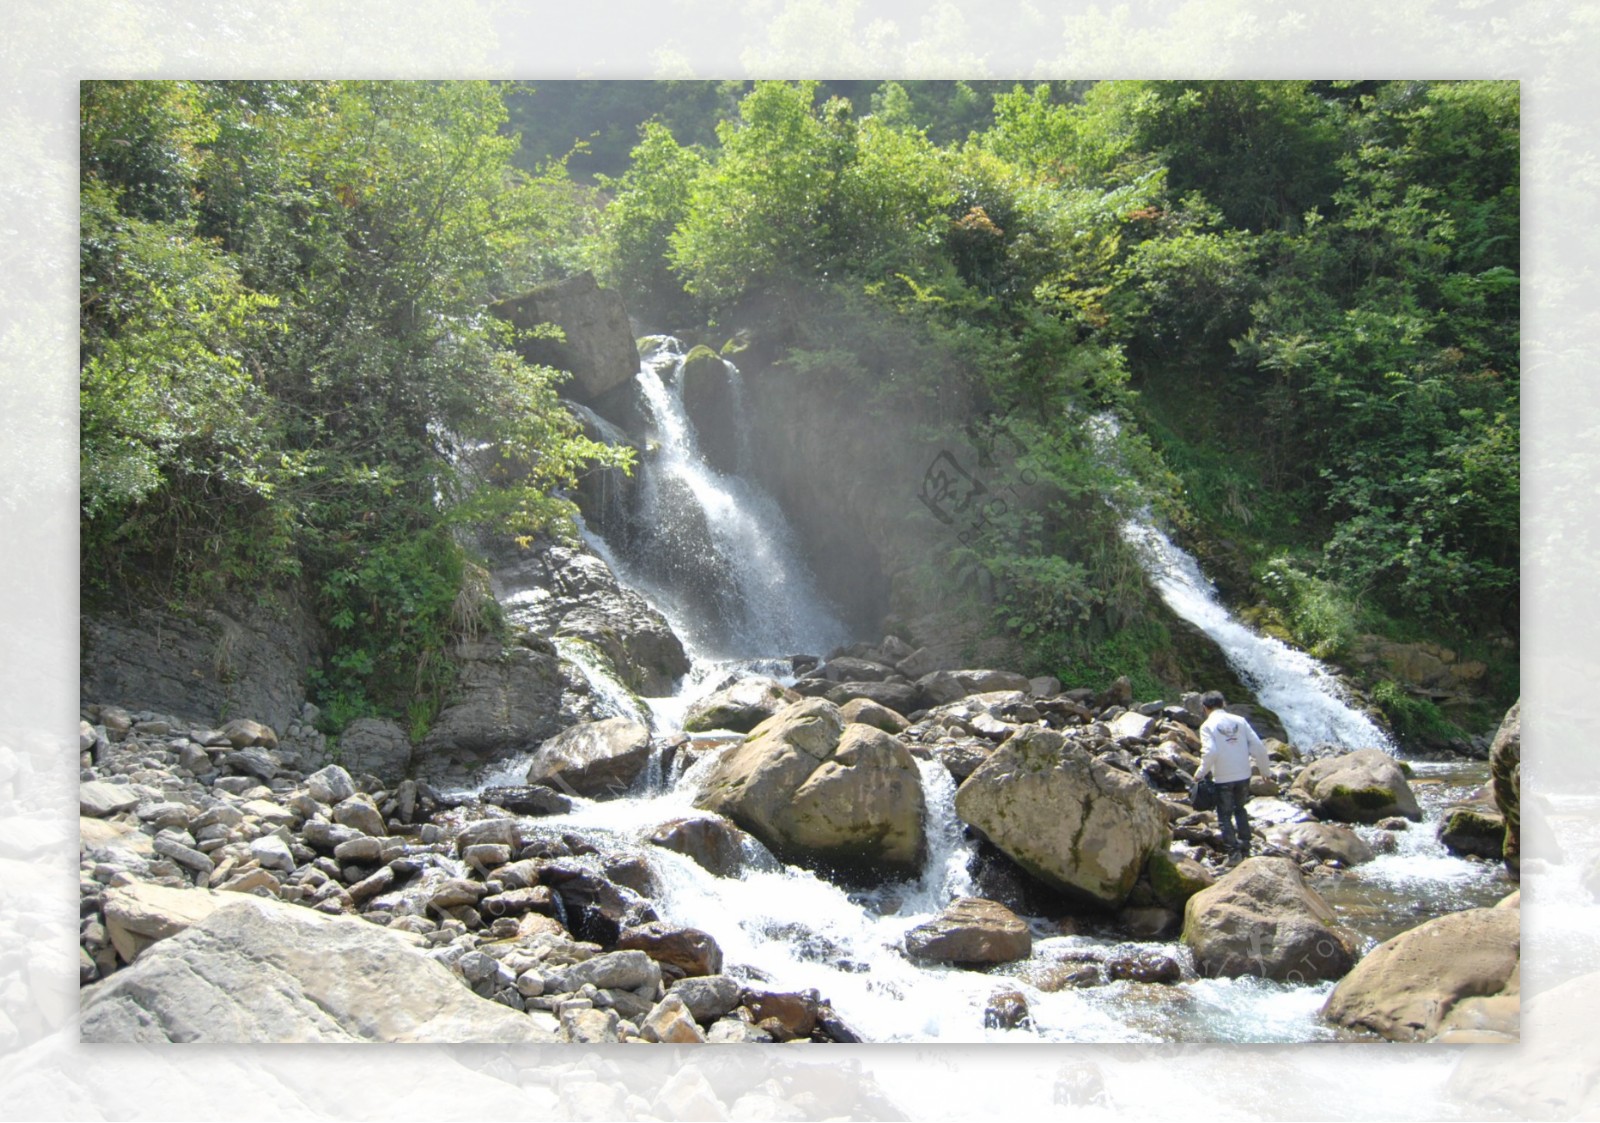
1228	745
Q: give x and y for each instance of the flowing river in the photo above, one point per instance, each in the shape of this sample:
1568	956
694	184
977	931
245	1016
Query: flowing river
714	555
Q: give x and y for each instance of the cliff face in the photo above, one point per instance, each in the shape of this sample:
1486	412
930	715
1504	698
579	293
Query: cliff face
212	664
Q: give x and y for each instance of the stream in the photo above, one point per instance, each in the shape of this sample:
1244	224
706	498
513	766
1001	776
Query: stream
713	554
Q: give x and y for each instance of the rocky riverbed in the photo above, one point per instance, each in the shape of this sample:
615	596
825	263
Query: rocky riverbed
236	886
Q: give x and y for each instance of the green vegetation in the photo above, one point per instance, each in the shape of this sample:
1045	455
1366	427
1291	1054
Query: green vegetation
1284	314
285	352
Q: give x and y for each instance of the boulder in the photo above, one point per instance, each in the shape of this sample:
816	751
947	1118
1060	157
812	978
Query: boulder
1175	878
1473	830
1262	919
258	971
594	758
1359	787
867	712
1505	771
140	914
972	930
671	1023
1322	842
330	785
714	843
596	345
819	792
897	696
529	799
685	952
740	707
377	746
1406	987
1065	818
708	997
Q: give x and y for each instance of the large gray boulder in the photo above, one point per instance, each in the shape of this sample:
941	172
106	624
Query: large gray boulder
558	591
507	700
259	971
377	746
1262	919
740	707
817	792
597	347
1406	988
596	758
1359	787
1067	819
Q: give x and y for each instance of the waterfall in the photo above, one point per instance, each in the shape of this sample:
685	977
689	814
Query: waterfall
712	552
1312	704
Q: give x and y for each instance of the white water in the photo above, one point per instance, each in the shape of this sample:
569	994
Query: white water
717	561
1307	698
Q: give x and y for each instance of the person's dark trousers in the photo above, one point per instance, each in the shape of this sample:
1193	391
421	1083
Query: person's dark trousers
1231	816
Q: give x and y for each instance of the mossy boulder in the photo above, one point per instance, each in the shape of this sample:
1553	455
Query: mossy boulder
740	707
1473	830
1359	787
1505	770
1173	880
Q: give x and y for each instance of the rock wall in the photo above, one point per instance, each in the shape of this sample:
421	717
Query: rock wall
210	666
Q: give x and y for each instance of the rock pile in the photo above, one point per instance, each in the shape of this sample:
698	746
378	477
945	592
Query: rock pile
226	895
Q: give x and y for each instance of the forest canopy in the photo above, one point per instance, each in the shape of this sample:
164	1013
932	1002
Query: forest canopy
1298	300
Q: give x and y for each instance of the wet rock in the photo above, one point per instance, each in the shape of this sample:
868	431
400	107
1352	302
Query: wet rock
595	759
1405	987
785	1015
973	931
1262	919
684	952
1066	819
819	793
715	843
1358	787
1142	965
1007	1009
740	707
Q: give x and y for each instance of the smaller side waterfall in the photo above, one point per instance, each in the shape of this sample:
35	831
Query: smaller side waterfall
1312	704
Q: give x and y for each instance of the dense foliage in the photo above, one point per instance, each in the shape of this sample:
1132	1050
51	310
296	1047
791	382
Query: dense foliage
285	354
1283	313
1305	293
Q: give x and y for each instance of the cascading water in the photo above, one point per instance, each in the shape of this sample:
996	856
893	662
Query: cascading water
1310	702
714	556
713	551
